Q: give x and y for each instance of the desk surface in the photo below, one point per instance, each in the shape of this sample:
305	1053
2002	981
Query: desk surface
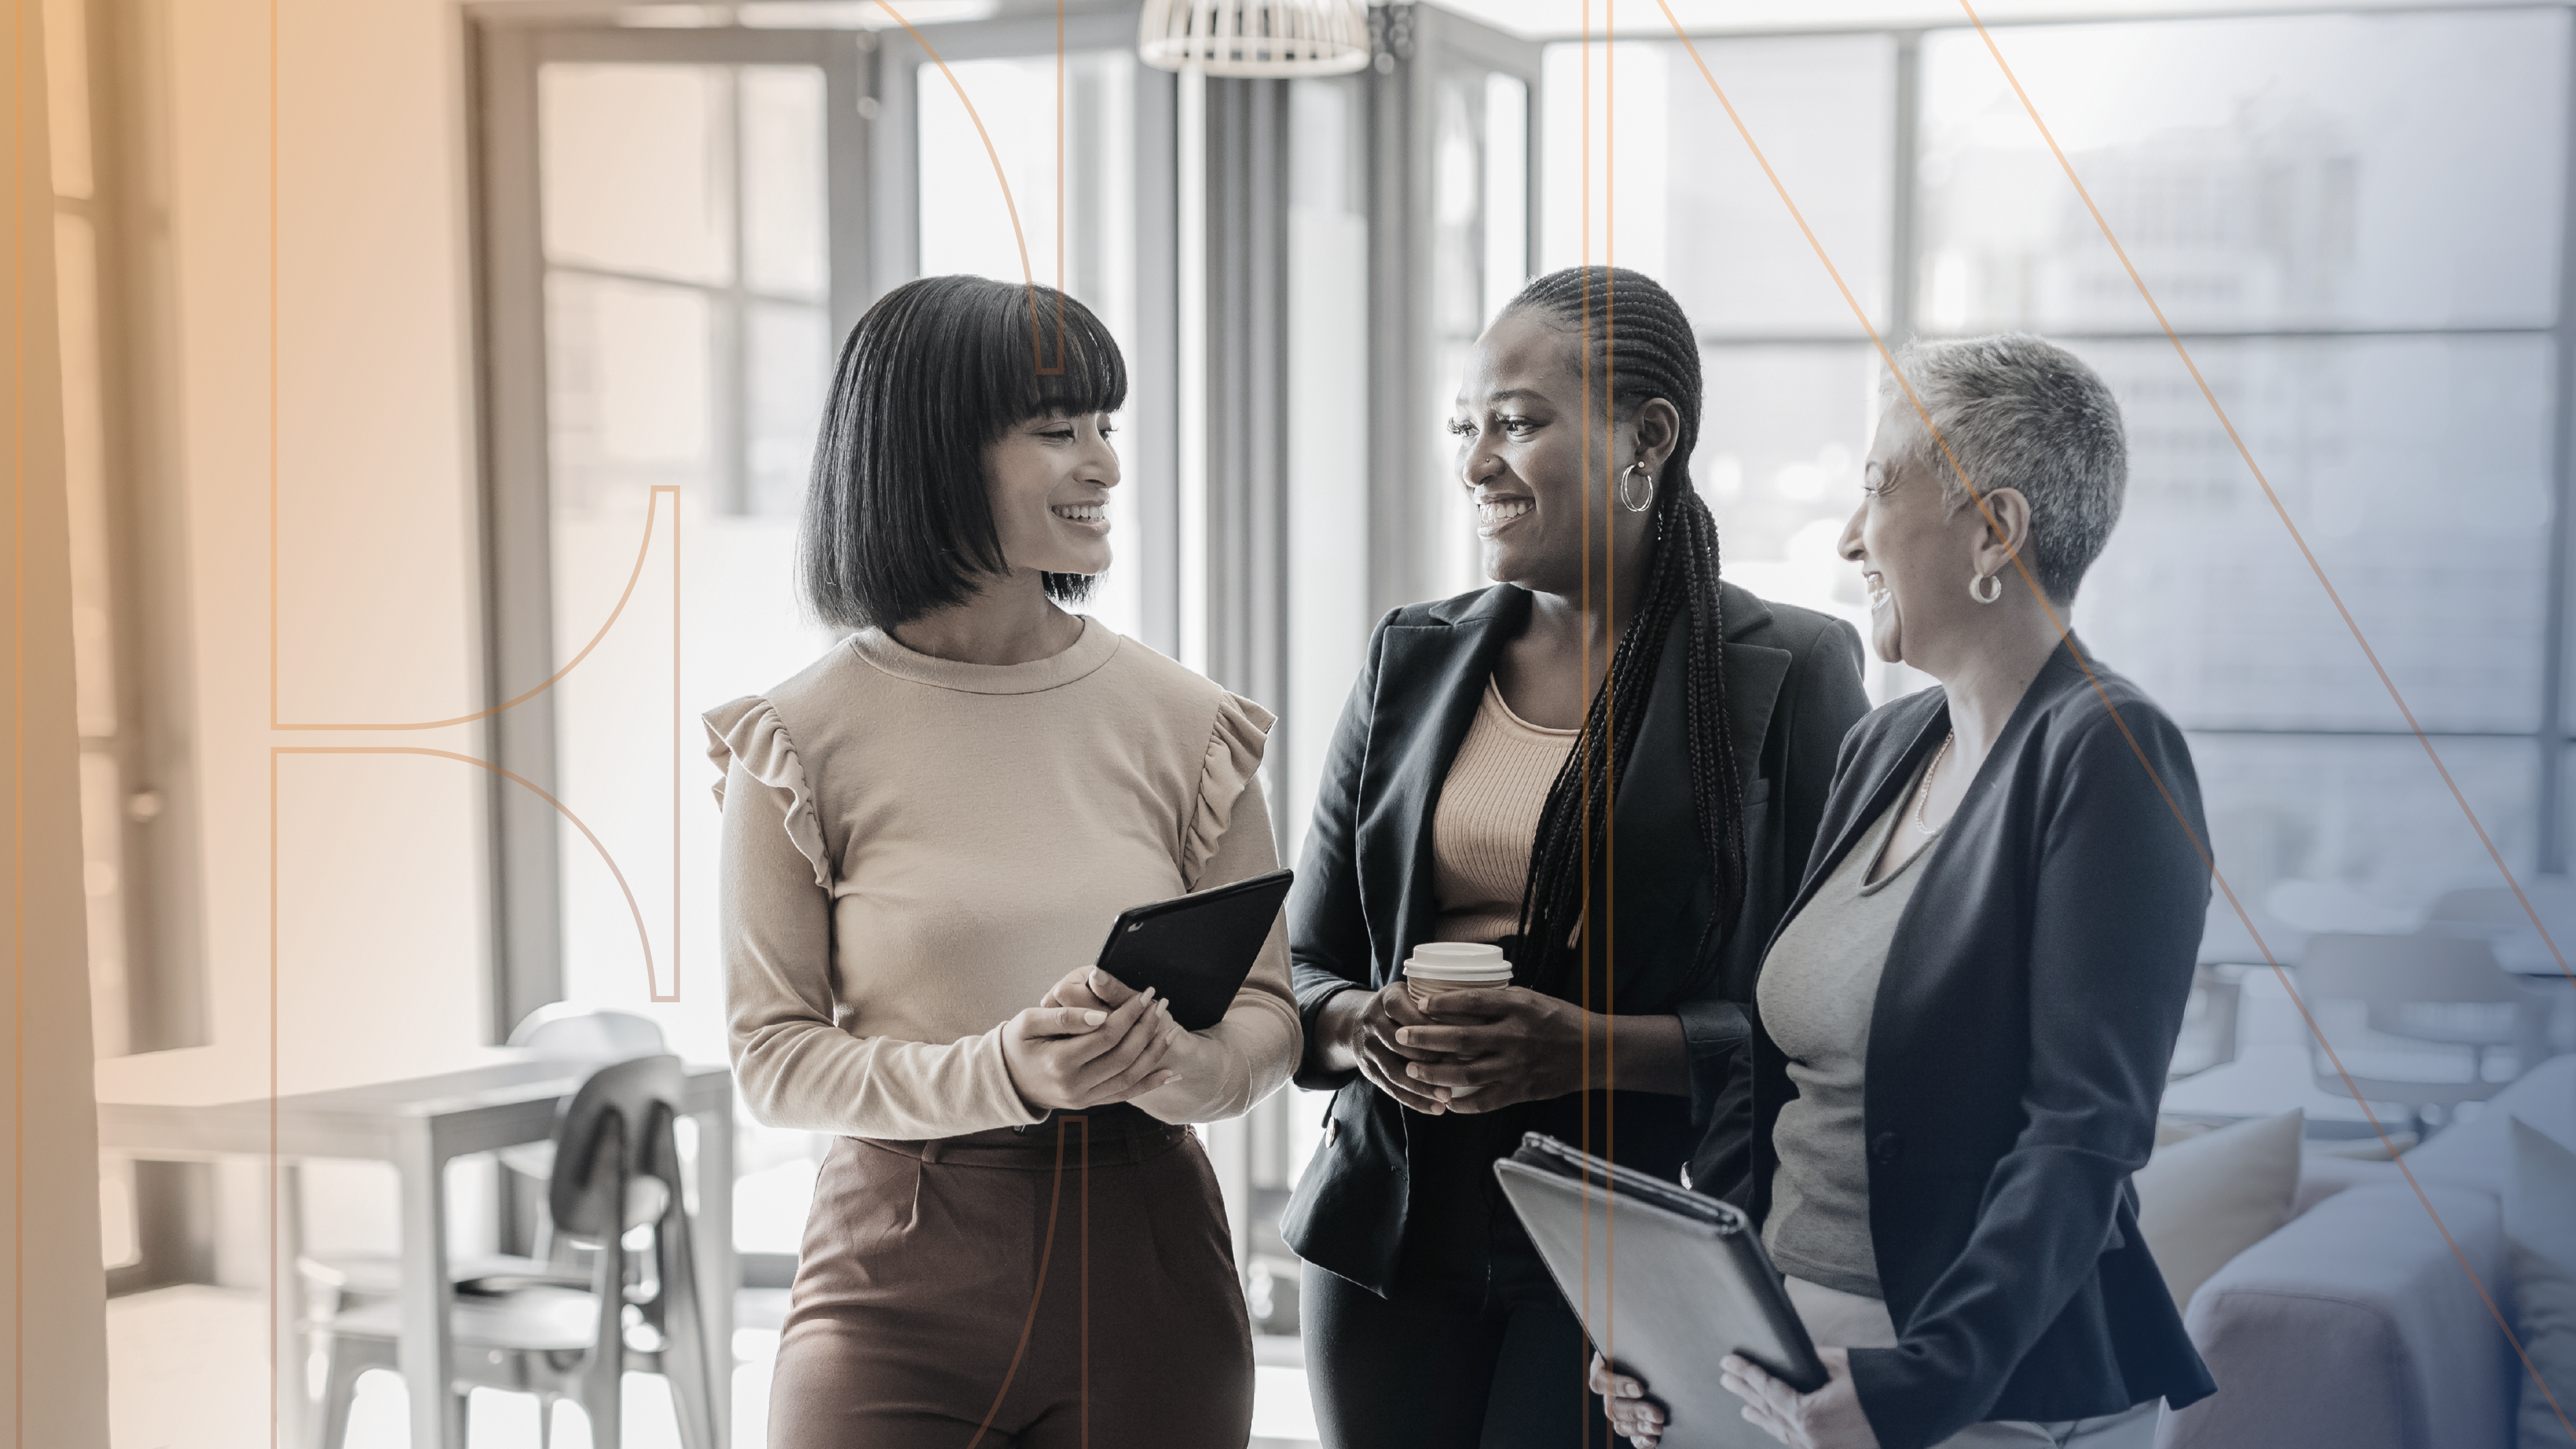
496	1104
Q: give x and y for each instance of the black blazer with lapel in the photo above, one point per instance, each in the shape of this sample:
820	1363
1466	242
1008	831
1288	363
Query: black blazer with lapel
2025	1019
1364	897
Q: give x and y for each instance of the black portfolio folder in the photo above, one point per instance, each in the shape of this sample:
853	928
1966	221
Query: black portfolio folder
1666	1281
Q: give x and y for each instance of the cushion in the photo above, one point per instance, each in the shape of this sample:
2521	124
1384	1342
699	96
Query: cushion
2373	1148
2323	1174
2205	1199
2354	1328
2540	1244
2170	1130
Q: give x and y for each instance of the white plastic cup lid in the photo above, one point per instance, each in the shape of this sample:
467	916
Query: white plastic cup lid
1458	961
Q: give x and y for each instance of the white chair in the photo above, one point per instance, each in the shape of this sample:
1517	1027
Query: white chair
2209	1035
618	1172
2327	905
2422	1021
558	1031
2552	897
2499	917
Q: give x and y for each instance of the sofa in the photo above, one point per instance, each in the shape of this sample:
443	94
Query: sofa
2353	1326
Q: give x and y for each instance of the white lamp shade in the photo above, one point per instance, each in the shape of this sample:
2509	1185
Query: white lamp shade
1255	37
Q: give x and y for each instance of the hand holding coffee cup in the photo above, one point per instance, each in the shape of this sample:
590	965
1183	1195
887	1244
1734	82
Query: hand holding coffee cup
1442	966
1367	1027
1487	1044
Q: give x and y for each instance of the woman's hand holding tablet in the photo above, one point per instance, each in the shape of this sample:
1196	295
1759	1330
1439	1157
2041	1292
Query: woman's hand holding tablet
1829	1418
1070	1058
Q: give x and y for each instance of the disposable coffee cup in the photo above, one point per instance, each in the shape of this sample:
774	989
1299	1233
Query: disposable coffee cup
1438	966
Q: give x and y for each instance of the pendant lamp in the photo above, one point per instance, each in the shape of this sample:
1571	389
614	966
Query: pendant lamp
1255	37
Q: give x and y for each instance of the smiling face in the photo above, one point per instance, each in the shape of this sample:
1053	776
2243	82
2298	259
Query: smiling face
1520	426
1916	555
1050	479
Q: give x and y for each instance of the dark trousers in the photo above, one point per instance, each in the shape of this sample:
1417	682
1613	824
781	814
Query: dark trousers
1415	1372
970	1291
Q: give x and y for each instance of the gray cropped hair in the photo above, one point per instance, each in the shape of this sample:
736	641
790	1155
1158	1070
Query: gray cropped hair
2022	413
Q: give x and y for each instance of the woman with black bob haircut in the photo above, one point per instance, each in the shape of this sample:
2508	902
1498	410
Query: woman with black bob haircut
1609	693
922	832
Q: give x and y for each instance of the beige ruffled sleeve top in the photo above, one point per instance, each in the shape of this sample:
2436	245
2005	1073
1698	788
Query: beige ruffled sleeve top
916	849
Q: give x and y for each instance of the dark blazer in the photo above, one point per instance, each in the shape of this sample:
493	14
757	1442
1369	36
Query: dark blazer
1364	897
2018	1048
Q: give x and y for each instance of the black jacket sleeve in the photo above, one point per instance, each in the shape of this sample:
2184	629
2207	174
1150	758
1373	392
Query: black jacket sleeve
1822	700
2118	892
1829	701
1328	939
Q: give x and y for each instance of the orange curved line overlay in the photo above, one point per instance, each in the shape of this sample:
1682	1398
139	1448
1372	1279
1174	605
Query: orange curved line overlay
1028	275
641	551
1046	1255
533	788
1977	496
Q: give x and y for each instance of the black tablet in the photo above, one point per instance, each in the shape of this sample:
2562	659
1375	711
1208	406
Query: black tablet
1195	950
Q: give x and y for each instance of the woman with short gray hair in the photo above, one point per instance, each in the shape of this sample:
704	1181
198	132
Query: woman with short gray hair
1963	1025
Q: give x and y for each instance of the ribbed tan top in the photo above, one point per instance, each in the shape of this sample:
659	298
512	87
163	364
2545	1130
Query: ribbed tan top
1487	820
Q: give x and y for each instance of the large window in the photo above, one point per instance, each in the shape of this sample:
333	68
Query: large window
2354	222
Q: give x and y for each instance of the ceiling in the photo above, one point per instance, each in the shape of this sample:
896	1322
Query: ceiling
1535	19
1564	19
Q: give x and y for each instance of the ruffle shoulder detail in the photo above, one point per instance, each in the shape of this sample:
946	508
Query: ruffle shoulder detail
1233	759
749	731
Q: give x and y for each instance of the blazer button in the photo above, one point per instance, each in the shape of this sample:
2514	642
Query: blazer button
1887	1147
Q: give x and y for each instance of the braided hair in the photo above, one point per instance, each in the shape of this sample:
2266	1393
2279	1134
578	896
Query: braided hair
1639	347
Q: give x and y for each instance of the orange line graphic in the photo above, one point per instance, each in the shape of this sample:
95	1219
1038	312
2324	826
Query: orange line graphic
276	1291
642	938
1046	1254
1583	741
1977	496
23	16
1028	275
2369	653
570	665
550	681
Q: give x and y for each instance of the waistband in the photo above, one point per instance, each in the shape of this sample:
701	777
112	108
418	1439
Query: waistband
1120	1132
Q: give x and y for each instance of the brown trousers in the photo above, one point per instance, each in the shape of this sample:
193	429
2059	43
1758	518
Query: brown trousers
980	1292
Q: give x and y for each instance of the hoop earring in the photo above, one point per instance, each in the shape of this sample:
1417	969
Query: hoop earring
1978	591
1636	505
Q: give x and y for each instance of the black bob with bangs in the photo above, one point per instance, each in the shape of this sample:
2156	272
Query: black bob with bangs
899	521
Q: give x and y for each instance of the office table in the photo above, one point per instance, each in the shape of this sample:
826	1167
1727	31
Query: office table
419	1126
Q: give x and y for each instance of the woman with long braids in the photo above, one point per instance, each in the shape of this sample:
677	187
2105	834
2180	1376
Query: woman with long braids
1610	763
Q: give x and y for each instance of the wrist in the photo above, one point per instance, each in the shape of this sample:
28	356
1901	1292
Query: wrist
1012	1073
1336	1040
1594	1033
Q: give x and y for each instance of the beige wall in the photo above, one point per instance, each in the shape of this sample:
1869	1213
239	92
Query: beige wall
53	1381
380	946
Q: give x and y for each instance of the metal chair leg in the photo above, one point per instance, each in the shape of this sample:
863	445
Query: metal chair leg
339	1391
687	1361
